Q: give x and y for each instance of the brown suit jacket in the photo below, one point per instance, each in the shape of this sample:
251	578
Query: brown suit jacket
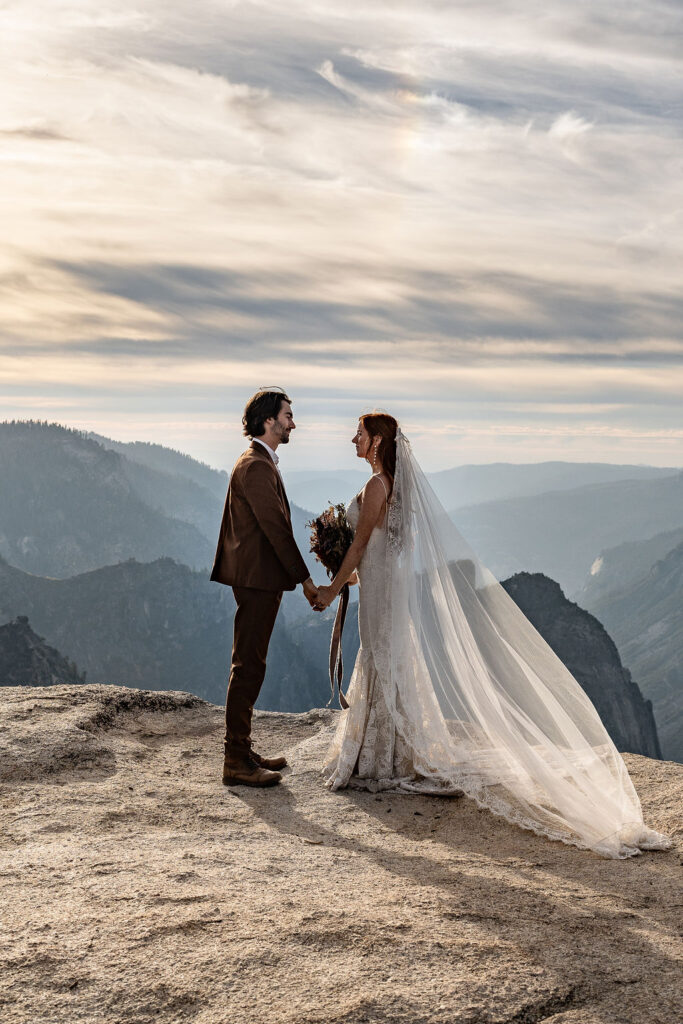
256	546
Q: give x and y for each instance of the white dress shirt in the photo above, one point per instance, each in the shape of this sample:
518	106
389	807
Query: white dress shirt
273	455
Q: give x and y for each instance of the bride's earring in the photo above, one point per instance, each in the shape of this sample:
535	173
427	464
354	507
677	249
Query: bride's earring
374	456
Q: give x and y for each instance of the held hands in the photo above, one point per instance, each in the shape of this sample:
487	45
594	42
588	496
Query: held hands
326	596
321	598
310	592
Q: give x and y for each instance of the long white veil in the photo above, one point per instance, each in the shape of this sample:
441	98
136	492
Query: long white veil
481	698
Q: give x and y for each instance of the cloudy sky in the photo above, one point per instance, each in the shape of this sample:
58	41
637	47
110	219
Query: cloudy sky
467	213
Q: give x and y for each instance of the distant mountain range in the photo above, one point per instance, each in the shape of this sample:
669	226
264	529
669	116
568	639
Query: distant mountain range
70	503
552	517
561	533
160	626
169	461
67	505
470	485
473	485
618	568
78	508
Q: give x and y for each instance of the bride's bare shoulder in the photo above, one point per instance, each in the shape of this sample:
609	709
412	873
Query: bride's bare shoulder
377	489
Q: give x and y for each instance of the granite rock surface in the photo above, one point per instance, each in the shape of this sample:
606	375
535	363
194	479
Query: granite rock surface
136	888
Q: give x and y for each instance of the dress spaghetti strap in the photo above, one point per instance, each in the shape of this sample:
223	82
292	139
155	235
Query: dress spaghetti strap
386	493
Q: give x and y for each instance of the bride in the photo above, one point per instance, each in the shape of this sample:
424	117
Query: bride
453	690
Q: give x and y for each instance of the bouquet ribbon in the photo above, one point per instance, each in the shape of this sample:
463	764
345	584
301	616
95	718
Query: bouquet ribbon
336	662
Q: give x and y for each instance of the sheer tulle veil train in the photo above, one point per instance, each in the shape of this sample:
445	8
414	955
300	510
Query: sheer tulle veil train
478	695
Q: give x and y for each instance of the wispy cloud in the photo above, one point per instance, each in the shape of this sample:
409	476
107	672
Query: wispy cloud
435	201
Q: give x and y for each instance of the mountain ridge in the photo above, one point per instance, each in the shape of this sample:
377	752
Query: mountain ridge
67	505
625	564
560	533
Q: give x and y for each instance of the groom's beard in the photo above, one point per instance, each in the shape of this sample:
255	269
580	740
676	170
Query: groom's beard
283	436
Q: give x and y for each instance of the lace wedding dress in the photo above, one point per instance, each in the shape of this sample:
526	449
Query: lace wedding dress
453	690
368	751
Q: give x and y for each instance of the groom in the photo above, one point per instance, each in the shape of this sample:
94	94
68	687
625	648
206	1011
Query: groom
258	557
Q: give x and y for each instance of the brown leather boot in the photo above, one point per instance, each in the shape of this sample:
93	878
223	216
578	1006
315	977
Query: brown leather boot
244	771
273	763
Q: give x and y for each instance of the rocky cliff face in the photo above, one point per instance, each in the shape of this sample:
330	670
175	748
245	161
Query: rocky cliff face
25	658
135	887
584	646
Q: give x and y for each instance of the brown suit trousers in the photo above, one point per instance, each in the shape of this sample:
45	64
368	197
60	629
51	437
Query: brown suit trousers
254	622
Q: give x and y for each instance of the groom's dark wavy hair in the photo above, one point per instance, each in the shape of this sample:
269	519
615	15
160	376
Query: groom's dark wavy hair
260	408
386	426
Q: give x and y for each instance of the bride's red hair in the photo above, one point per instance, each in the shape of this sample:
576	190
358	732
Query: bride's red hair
386	426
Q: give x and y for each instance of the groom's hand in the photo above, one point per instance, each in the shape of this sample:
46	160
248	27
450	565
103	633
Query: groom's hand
310	591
